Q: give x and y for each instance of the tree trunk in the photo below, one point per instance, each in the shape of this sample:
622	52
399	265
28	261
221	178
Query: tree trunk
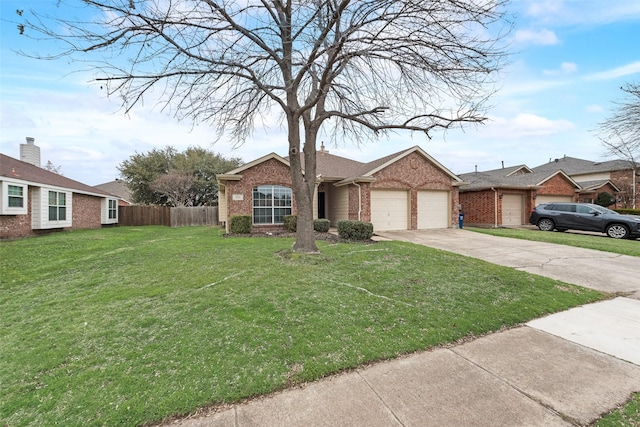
304	186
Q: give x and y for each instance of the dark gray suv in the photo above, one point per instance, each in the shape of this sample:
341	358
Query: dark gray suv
585	217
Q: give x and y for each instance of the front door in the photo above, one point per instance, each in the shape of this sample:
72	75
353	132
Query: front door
321	208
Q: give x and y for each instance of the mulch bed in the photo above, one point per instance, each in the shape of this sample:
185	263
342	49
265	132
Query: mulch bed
327	237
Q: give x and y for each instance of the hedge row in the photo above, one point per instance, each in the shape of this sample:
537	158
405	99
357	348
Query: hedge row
348	230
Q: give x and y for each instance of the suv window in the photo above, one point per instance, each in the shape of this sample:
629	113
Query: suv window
565	208
585	209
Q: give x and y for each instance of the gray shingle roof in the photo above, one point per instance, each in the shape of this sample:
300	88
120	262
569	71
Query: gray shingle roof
519	176
574	166
17	169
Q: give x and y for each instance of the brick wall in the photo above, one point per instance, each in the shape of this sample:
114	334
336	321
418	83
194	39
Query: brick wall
86	212
557	186
479	207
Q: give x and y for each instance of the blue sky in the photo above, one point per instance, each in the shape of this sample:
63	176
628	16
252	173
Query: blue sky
569	60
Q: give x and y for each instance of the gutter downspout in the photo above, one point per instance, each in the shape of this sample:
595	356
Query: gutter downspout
495	207
359	199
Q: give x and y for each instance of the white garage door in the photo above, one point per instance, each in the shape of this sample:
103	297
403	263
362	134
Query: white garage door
389	210
512	209
433	209
549	199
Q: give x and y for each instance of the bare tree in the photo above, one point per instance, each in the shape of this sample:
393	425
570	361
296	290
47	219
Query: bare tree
355	69
620	133
53	168
176	186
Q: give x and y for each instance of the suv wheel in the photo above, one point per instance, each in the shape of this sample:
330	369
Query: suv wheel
545	224
617	231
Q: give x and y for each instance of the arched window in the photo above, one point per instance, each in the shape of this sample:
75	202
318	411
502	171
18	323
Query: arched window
271	203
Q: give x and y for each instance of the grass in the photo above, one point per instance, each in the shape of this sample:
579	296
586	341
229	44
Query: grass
600	243
131	325
626	416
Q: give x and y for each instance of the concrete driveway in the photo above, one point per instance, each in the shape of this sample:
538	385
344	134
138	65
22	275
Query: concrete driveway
604	271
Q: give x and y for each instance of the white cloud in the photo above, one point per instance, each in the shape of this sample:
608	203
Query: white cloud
565	69
614	73
524	125
542	37
594	108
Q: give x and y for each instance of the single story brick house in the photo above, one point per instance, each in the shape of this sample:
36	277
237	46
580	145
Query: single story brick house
505	196
616	177
407	190
35	201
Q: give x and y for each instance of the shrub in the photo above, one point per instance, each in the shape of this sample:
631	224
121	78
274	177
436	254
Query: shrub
240	224
605	199
355	230
321	225
628	211
291	223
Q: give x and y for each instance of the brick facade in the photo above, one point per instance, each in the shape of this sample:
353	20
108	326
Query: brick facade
415	173
269	172
85	213
412	173
557	186
484	207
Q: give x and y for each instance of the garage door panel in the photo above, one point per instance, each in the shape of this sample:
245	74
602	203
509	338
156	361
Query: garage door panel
389	209
512	208
433	209
541	198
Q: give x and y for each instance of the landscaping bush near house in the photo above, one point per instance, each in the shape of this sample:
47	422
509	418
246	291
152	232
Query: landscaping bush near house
291	223
628	211
355	230
240	224
321	225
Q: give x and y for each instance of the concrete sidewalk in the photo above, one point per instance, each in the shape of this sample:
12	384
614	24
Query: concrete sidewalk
565	369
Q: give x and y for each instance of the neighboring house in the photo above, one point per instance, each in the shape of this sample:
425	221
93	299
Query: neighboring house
613	176
34	201
118	188
505	196
405	190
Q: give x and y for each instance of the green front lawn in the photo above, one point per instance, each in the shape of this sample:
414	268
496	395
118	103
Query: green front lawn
597	242
129	325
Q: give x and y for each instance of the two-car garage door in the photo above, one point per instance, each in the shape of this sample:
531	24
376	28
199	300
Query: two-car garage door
390	209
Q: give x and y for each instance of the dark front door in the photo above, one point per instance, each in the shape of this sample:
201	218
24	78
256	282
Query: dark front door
321	206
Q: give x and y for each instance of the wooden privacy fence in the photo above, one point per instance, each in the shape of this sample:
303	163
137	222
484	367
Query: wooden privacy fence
170	217
194	216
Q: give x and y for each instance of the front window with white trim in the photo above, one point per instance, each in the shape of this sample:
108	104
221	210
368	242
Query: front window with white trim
14	199
57	206
271	203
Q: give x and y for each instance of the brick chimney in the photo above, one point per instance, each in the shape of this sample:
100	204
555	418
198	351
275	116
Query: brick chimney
30	152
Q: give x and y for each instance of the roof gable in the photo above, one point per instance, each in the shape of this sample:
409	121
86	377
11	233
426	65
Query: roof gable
34	175
257	162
